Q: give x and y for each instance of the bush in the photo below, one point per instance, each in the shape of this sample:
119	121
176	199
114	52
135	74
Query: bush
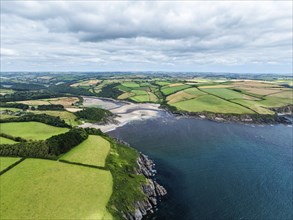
51	107
62	143
37	149
43	118
14	105
94	114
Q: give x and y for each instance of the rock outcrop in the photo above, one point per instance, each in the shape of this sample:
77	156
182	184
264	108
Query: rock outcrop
153	190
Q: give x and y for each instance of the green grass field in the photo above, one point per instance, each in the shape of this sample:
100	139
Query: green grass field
44	189
169	90
31	130
92	151
10	109
254	105
209	103
7	161
68	117
227	93
4	140
130	84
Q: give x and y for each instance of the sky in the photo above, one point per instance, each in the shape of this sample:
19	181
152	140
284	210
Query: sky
196	36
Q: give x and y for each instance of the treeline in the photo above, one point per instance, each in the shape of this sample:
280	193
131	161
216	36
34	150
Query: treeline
57	107
93	114
43	118
14	105
17	139
45	93
29	95
50	148
110	91
36	149
23	86
67	89
60	144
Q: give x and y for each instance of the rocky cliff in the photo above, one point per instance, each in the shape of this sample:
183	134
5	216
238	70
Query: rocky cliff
151	189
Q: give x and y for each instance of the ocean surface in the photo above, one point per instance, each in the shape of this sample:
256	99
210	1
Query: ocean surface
217	170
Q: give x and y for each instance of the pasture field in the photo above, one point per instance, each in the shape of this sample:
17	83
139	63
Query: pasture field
6	91
45	189
126	95
209	103
31	130
65	101
67	116
140	98
167	90
227	93
271	101
285	94
162	83
10	109
130	84
4	140
254	105
7	161
86	83
184	95
93	151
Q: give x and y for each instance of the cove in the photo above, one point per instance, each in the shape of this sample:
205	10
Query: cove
215	170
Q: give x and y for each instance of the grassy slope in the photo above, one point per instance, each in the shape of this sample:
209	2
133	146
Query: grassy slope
122	162
31	130
43	189
209	103
227	93
169	90
92	151
255	105
4	140
7	161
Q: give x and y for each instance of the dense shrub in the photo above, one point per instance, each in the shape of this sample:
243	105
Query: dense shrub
62	143
29	95
66	88
37	149
51	107
50	148
94	131
18	139
110	91
23	86
94	114
43	118
14	105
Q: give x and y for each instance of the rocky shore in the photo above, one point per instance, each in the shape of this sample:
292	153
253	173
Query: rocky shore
151	189
280	116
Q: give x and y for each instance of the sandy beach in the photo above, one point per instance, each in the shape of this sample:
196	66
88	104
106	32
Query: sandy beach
126	112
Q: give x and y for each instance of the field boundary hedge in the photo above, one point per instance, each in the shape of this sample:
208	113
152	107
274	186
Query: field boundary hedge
11	166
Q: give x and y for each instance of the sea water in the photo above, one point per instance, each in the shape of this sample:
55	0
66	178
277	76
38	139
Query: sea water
217	170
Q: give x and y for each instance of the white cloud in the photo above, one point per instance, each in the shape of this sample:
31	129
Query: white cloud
145	35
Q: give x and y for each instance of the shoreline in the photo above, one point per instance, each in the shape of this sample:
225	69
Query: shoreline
129	112
152	190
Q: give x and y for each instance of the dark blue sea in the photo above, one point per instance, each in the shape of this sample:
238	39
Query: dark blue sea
217	170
